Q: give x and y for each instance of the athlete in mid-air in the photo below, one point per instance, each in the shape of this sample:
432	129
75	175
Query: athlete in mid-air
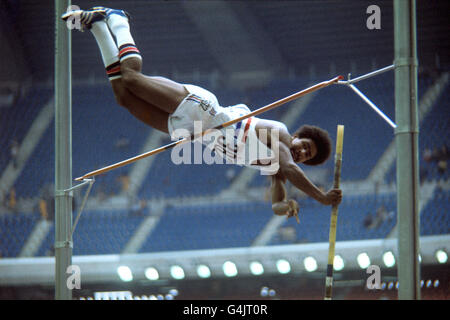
169	106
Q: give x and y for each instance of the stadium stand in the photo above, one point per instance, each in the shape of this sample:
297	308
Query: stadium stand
96	111
14	230
104	133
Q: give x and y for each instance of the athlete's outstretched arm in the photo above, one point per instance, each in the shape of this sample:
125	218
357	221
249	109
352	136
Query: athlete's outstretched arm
297	177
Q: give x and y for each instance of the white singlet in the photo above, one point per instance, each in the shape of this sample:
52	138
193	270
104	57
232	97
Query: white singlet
237	144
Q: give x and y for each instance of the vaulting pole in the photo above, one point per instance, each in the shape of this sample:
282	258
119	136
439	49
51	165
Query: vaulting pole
63	152
334	213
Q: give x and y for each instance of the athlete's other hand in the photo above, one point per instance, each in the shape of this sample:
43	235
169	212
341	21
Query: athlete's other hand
293	210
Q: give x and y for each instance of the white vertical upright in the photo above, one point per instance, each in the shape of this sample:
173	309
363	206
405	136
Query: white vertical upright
63	151
406	139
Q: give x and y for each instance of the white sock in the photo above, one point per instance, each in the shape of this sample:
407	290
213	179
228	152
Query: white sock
108	49
120	27
105	41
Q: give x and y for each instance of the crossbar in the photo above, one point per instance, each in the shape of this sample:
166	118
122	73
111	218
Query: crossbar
368	75
226	124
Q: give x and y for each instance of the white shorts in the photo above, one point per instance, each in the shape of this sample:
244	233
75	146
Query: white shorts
200	105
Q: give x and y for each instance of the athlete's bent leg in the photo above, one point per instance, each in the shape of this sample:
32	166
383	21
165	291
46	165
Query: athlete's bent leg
139	108
150	99
158	91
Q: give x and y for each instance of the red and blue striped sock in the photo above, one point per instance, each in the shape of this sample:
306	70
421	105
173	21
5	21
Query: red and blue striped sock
113	71
108	49
128	50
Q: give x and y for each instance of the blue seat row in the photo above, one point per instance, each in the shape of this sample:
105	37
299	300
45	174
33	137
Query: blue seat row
208	227
14	231
211	226
98	232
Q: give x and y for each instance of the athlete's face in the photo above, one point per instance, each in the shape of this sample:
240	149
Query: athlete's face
303	149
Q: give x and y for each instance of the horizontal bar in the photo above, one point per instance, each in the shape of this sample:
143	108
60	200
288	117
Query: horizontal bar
226	124
368	75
